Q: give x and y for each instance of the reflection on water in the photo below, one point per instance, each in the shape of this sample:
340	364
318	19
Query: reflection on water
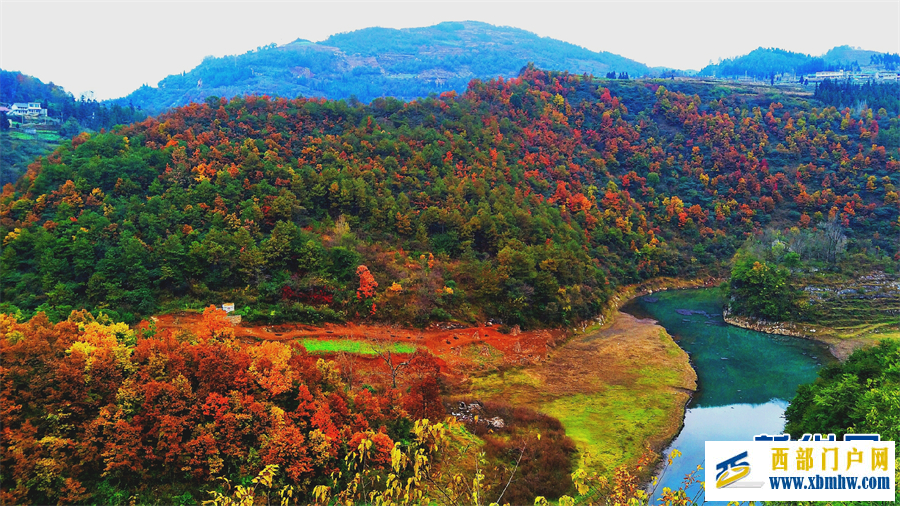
720	423
745	378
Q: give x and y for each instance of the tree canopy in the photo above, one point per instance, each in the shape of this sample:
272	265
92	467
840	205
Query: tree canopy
526	200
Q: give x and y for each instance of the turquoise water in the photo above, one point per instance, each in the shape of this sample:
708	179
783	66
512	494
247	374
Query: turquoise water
745	378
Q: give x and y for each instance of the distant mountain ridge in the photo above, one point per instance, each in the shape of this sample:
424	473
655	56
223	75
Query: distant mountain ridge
764	62
411	63
374	62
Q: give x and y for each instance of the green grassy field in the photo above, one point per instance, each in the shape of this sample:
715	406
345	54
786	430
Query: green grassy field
613	424
18	149
350	346
615	391
40	136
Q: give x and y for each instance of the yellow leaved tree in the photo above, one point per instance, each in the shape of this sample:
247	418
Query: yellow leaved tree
422	473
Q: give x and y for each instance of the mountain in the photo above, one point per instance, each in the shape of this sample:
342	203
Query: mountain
527	200
19	87
377	62
845	56
762	63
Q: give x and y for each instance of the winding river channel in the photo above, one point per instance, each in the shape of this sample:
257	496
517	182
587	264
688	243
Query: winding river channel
745	378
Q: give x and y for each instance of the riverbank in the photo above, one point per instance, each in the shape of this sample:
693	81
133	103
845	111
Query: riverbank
618	384
745	378
840	348
850	306
615	390
596	384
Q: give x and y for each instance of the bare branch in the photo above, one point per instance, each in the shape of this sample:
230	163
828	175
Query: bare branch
383	349
516	468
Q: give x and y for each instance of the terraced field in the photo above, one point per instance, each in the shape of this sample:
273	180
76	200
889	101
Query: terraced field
846	310
859	308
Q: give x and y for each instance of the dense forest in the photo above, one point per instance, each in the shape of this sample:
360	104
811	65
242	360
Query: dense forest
527	200
74	114
378	62
873	95
97	412
857	396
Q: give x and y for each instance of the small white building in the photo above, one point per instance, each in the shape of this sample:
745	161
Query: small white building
840	74
27	109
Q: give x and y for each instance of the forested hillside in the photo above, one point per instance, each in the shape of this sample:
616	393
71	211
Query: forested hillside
160	417
379	62
527	200
762	63
18	87
81	113
858	396
872	95
68	116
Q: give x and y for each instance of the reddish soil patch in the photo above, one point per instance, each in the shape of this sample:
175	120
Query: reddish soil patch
460	349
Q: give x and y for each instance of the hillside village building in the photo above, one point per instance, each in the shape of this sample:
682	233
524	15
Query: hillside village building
865	75
27	109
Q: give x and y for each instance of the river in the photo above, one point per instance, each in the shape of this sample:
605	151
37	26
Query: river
745	378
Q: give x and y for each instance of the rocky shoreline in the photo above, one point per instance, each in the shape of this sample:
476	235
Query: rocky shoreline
762	325
878	291
840	349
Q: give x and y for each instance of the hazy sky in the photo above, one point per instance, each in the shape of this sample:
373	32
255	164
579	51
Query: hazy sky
113	48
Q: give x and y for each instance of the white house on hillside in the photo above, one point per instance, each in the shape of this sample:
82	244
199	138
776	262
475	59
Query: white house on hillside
27	109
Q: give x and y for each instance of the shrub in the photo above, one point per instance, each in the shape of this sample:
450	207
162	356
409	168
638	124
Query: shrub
531	446
760	288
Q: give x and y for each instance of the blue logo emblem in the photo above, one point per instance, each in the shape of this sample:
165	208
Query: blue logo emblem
732	470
